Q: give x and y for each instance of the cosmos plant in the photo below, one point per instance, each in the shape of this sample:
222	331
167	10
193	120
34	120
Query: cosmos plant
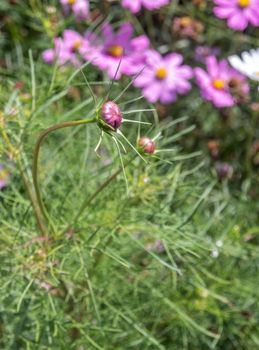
161	78
108	118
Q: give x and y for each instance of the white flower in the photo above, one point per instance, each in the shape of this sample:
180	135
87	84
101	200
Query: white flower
219	243
248	64
215	253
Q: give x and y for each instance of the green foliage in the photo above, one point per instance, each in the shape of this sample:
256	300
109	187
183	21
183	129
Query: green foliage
171	265
133	272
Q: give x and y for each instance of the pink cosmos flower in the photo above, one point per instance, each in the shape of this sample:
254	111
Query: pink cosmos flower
4	176
238	13
221	84
80	8
135	5
164	77
66	49
112	51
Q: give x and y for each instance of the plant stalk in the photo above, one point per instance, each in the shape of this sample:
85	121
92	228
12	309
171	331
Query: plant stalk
39	142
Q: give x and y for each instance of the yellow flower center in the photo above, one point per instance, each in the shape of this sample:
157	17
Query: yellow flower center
218	84
71	2
161	73
77	44
115	50
244	3
3	174
185	21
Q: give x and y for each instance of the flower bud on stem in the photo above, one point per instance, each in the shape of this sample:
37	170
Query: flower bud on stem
146	145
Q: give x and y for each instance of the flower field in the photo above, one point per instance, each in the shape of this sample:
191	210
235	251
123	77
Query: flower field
129	184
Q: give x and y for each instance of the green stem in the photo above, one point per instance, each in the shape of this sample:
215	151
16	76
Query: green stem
249	145
36	156
26	183
31	195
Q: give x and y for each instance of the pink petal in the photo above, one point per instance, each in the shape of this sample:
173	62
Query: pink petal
224	12
152	92
140	43
133	5
212	66
238	22
167	96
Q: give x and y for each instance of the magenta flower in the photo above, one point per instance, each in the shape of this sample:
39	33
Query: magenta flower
111	114
48	56
238	13
67	49
113	49
4	176
164	77
80	8
135	5
220	83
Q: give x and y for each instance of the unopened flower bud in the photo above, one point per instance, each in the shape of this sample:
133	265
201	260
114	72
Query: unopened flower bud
147	145
111	114
224	171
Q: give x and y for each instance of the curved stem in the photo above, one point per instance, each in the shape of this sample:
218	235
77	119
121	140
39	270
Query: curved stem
41	138
34	202
26	183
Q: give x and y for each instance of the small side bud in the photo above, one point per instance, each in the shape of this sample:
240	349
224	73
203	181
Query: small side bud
147	145
111	114
224	171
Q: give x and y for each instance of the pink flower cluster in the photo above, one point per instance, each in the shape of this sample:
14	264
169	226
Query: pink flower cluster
161	78
66	49
117	53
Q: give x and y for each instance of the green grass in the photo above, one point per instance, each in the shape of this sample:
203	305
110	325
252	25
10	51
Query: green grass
103	284
121	269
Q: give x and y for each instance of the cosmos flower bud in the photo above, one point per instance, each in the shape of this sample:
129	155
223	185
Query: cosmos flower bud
147	145
111	114
224	171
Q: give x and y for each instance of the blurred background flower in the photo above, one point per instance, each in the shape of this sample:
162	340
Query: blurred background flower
248	64
238	13
135	5
164	77
80	8
217	83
